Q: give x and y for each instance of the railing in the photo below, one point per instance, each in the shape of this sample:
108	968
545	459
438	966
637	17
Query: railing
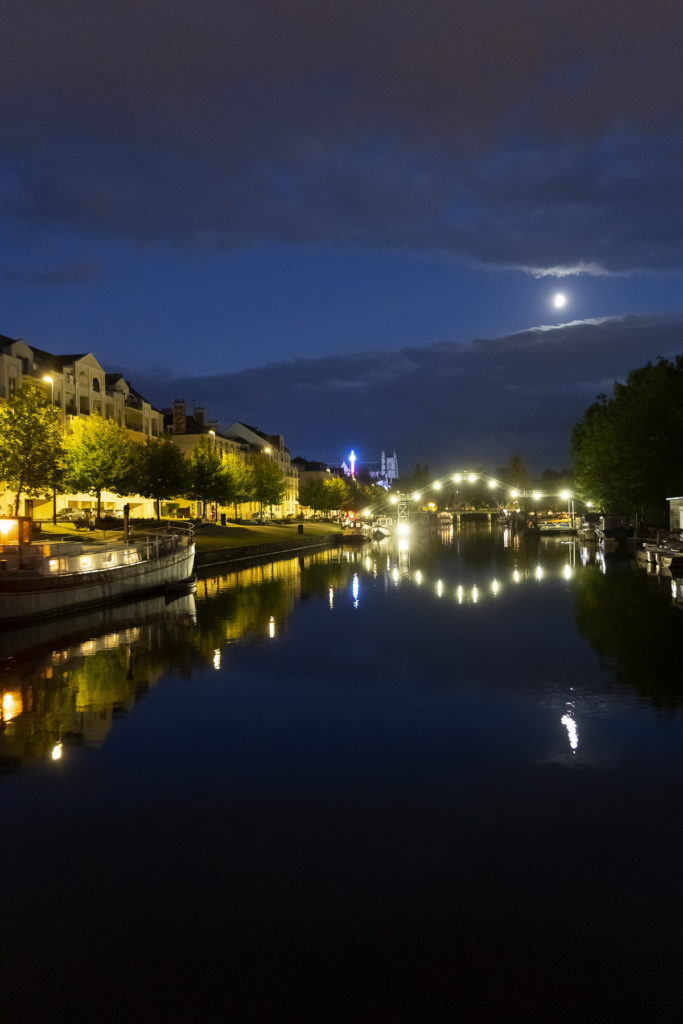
155	545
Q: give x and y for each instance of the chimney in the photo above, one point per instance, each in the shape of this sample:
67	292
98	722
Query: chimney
179	416
199	416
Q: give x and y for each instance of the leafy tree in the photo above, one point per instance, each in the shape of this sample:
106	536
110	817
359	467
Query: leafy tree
268	482
31	443
160	470
207	479
516	474
99	457
238	479
627	449
312	494
335	494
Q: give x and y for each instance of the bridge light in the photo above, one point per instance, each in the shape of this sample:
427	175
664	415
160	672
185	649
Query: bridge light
457	478
565	495
472	477
437	486
514	493
416	495
393	499
492	484
536	495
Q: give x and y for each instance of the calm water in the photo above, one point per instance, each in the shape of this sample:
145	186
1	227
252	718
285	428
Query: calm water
443	782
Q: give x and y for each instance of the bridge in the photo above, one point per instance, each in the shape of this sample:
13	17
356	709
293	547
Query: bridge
503	496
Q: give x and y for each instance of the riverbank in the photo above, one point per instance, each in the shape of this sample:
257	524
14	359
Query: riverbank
221	545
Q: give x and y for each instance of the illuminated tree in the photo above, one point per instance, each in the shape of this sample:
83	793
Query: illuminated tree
99	457
160	470
238	479
31	443
207	479
312	494
268	482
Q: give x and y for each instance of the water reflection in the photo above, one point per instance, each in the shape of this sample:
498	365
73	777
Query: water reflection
67	687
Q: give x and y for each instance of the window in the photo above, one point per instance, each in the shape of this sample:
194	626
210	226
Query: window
12	385
95	384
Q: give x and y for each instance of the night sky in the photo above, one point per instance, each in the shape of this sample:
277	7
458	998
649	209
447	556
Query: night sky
346	222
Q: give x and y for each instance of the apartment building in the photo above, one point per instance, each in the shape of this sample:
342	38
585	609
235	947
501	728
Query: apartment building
79	386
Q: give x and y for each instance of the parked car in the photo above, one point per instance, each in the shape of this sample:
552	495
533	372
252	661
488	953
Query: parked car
72	515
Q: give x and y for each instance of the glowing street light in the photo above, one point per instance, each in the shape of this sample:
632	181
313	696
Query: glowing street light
472	477
50	381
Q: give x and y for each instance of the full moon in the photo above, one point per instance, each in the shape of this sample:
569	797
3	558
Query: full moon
559	300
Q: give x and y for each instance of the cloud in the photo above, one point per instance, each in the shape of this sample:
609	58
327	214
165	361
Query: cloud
32	277
451	404
537	136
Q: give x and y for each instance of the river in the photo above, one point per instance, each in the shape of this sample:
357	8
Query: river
441	781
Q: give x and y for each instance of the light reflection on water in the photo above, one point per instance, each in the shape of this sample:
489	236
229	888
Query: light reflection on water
399	751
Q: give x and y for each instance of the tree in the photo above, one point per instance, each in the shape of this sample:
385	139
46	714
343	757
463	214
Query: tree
31	443
268	482
238	479
160	470
516	474
207	479
627	450
312	494
335	494
99	457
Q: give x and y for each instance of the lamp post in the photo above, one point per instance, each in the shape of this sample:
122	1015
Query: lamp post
50	380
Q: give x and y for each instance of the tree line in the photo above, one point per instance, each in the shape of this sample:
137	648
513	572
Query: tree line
627	448
37	457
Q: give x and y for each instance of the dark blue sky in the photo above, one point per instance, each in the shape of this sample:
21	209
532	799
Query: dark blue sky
197	191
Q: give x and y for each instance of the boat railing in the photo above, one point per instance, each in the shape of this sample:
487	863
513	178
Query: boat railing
155	545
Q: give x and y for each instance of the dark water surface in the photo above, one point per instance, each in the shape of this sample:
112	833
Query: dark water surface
439	783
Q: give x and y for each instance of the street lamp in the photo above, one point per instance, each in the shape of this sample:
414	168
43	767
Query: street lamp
213	434
50	380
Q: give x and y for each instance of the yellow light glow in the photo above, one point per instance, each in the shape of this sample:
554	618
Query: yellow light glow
457	478
589	504
85	561
12	705
567	572
514	493
217	659
403	545
472	477
9	530
267	451
393	499
271	627
460	592
56	752
48	380
536	495
475	594
53	564
516	576
416	495
539	572
418	578
394	575
330	598
439	588
437	486
495	587
492	484
565	495
403	529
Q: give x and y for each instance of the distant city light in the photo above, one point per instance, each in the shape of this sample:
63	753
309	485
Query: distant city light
352	462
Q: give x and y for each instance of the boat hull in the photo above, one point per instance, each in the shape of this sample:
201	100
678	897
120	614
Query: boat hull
42	596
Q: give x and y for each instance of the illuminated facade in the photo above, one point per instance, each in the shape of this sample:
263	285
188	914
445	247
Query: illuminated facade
79	387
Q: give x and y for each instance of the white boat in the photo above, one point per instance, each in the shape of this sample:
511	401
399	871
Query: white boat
58	577
444	518
382	526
